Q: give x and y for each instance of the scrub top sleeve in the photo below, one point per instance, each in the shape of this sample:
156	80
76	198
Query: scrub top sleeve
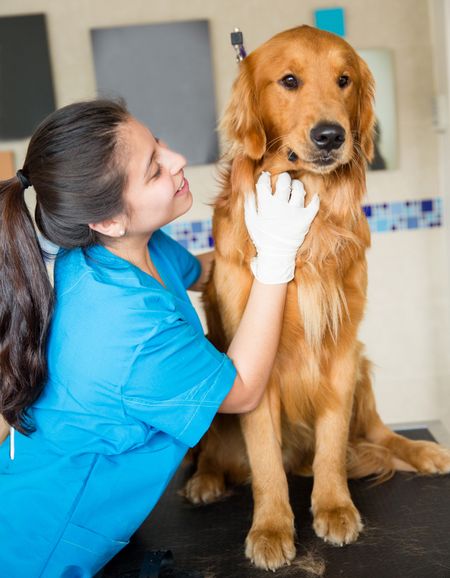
189	267
177	381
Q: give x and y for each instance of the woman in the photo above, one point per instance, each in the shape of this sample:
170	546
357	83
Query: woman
107	380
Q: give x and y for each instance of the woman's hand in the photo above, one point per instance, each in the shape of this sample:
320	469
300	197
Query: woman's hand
278	226
206	261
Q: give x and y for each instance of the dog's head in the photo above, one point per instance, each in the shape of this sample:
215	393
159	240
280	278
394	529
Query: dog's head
303	101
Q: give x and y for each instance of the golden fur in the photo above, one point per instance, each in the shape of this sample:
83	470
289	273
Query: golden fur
318	415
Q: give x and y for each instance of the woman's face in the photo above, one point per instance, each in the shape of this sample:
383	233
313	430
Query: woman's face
157	192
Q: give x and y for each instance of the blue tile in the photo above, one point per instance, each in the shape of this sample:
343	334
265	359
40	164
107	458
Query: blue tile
397	208
382	225
413	210
427	206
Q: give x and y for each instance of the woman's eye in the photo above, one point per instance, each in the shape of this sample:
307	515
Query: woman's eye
289	81
156	174
343	81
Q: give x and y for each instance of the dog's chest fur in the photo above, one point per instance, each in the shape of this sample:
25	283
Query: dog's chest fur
331	267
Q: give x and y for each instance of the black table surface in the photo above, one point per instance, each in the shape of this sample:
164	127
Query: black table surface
406	534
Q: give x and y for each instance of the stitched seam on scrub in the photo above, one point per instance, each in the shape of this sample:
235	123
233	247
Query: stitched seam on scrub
76	283
78	546
155	329
133	359
69	517
197	403
206	403
92	273
193	403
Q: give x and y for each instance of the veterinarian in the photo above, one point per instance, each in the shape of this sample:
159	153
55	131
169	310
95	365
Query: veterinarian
108	379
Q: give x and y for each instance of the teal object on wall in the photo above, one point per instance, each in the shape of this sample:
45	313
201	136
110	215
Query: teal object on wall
331	20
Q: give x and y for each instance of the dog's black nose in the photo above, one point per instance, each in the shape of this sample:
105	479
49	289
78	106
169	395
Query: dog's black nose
328	136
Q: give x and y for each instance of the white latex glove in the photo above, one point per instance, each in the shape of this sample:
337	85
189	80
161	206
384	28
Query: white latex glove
278	226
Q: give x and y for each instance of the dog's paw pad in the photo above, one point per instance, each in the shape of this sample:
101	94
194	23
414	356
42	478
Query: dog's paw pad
338	525
431	458
204	488
270	549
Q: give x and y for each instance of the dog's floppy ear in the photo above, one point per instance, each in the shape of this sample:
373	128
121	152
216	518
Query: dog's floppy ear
366	116
241	122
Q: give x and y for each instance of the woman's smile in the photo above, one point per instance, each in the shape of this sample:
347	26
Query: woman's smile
183	188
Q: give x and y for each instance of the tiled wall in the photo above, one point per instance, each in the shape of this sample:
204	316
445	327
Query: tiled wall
404	215
194	235
382	217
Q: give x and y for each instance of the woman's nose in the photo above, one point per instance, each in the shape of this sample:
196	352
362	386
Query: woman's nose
175	162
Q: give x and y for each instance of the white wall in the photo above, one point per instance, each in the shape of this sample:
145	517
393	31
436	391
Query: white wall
440	34
406	327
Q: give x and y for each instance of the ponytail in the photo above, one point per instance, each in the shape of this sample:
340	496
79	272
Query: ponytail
26	301
77	163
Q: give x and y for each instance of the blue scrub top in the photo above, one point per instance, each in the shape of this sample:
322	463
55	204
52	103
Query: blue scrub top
133	382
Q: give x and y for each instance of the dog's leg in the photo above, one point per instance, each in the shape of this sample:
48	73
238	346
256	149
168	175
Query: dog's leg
336	519
208	483
412	455
403	454
270	542
222	454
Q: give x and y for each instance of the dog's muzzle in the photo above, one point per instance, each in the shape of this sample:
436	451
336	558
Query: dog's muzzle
327	136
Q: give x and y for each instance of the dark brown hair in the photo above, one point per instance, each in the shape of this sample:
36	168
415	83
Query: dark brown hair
75	164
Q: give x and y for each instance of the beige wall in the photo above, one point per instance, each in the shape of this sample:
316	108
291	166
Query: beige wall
406	328
440	35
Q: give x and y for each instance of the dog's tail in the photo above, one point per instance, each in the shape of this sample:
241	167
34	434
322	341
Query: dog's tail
369	459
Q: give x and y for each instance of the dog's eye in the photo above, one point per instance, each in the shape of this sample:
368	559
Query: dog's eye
343	81
289	81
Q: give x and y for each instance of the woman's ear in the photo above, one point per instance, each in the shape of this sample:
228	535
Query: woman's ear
110	227
241	122
366	114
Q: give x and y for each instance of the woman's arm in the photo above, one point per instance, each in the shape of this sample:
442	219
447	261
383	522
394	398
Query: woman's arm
206	261
254	346
255	343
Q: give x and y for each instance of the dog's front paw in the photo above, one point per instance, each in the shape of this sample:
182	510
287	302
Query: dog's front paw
270	548
204	488
429	458
338	525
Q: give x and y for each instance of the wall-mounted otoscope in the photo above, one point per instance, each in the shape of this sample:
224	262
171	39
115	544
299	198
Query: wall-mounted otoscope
237	40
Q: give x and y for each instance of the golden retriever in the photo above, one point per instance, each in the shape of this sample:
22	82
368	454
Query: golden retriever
302	103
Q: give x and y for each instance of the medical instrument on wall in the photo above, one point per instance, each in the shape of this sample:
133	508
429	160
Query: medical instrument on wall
237	40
